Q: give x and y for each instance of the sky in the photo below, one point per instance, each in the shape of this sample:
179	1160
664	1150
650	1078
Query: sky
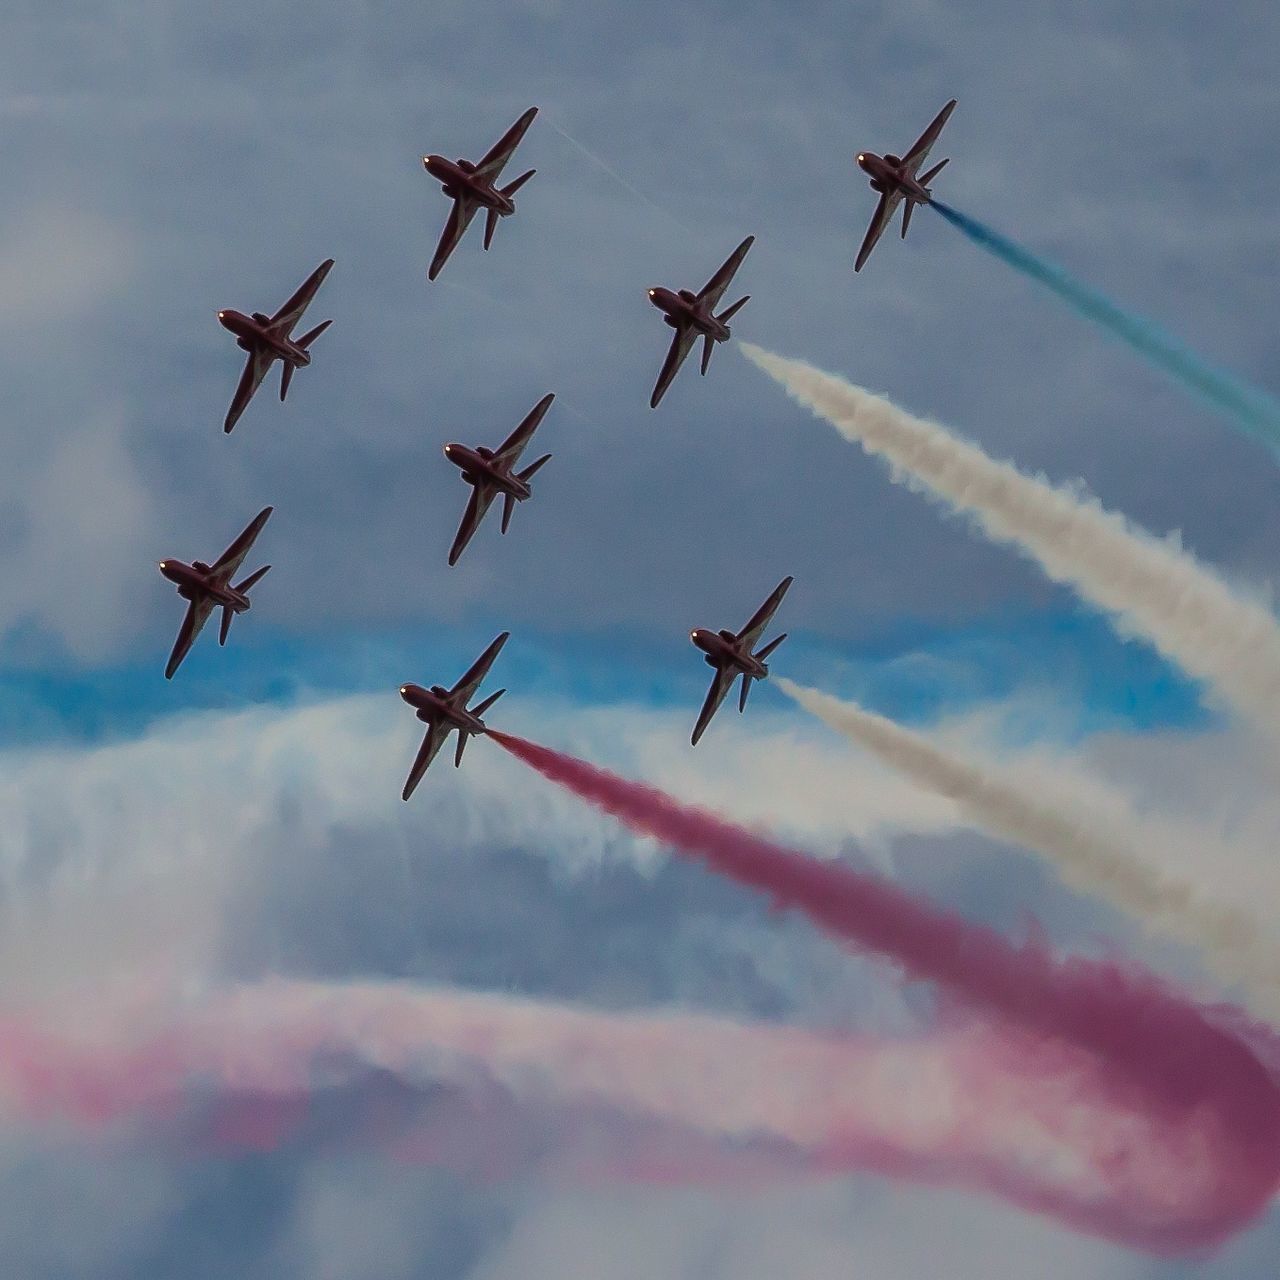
243	822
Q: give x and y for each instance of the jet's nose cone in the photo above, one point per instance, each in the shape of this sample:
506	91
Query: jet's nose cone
450	450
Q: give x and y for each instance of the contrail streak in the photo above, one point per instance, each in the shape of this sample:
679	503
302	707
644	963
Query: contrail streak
1247	406
1095	848
1155	1047
1152	588
1045	1127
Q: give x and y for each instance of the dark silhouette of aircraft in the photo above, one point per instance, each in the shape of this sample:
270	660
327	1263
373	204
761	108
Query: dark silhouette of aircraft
473	186
444	710
895	179
206	587
491	472
266	339
692	315
731	656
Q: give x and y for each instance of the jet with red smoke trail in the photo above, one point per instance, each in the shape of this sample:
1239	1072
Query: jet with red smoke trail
730	653
473	185
266	339
692	316
491	472
444	710
895	179
207	587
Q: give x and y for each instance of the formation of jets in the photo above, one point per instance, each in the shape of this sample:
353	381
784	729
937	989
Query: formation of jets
492	473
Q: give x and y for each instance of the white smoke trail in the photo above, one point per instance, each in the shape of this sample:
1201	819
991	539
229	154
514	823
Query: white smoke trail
1095	841
1152	587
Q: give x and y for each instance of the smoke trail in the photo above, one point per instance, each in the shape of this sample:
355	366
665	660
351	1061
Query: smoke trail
1248	406
1152	588
1043	1126
1095	847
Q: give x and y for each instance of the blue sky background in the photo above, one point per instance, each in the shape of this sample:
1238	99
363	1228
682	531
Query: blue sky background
165	160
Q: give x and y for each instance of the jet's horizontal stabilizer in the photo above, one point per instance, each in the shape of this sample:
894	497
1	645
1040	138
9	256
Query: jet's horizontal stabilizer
508	506
732	311
487	703
256	576
286	377
770	647
528	473
906	216
933	173
308	338
462	746
746	689
512	187
227	614
490	226
708	346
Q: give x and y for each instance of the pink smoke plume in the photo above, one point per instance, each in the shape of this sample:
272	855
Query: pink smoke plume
662	1098
1158	1055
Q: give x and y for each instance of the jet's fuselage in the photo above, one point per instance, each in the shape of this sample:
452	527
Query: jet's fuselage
683	309
434	704
458	176
251	332
888	173
196	580
724	649
474	463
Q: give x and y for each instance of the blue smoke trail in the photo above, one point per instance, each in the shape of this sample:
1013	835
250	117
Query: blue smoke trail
1251	408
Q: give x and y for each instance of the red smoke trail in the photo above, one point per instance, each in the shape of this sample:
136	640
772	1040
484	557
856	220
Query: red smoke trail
1160	1055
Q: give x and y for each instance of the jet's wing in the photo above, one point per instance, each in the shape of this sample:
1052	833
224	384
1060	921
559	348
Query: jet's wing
459	220
885	210
713	290
288	316
431	744
919	152
497	156
481	500
233	557
198	613
513	446
680	347
256	368
478	670
720	686
760	619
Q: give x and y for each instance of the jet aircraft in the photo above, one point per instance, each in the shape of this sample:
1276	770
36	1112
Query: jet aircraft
895	179
267	339
491	472
693	314
473	186
444	710
206	587
731	656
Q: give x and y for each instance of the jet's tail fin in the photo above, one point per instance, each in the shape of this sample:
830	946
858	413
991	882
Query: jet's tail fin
769	648
487	703
512	187
933	173
528	473
508	506
256	576
227	614
746	689
308	338
286	377
490	226
725	316
708	346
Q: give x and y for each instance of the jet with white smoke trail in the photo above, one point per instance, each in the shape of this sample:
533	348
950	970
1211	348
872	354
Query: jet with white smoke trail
1152	588
1095	841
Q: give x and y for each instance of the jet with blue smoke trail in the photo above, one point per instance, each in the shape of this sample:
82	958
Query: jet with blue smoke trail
1250	407
895	179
